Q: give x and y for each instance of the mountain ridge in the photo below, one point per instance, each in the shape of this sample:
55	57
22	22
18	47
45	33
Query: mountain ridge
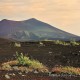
32	30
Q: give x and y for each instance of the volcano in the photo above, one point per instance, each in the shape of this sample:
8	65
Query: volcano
32	30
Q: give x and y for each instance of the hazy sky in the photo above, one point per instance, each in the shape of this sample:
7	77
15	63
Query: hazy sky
64	14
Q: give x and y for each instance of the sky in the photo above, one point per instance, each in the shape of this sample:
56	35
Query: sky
63	14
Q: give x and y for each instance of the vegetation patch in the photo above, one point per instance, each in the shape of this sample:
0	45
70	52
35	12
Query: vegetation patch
23	63
65	43
67	70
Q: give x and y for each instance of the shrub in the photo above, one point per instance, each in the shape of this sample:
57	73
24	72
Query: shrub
36	64
72	42
31	63
17	44
60	42
22	60
23	63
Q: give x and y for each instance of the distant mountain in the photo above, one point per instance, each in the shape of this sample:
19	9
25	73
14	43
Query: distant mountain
32	30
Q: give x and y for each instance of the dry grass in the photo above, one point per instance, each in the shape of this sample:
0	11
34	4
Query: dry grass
15	62
23	63
67	69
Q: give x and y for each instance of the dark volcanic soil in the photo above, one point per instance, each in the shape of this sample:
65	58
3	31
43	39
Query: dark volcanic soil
48	53
32	76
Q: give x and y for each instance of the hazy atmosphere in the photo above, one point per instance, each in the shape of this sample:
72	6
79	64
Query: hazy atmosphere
39	39
63	14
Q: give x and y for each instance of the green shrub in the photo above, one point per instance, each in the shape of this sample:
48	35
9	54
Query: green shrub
24	60
36	64
74	43
60	42
17	44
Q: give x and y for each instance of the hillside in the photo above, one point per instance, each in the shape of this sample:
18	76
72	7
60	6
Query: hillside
32	30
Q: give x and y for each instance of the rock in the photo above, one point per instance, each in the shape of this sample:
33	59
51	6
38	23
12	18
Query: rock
22	69
36	72
13	74
23	75
15	68
26	71
50	52
6	67
7	76
20	73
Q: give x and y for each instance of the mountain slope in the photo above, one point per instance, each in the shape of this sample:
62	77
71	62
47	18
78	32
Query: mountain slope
32	29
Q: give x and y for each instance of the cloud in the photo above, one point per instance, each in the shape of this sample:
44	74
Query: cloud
55	9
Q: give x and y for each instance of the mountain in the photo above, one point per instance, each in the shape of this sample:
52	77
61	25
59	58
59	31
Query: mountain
32	30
